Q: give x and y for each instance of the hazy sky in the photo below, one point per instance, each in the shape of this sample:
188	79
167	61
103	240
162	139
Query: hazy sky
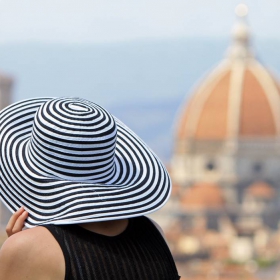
87	21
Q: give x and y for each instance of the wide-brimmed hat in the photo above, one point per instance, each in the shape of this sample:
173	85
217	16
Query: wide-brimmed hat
68	160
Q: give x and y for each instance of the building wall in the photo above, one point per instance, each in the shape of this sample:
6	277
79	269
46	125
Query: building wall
6	85
5	93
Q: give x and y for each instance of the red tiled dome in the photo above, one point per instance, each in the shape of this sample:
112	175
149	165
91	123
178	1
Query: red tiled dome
238	99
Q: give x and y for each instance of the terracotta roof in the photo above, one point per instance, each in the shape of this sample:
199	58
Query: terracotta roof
175	189
239	98
256	117
212	123
203	196
207	116
261	189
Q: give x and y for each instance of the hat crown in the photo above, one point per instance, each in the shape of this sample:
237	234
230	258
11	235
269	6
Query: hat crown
73	139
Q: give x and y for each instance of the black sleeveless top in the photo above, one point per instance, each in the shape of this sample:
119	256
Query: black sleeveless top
138	253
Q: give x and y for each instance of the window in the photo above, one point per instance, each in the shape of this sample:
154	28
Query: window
257	167
210	165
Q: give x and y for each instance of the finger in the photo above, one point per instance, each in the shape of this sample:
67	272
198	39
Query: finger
13	220
20	222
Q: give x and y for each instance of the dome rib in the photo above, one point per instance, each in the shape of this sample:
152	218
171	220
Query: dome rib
235	96
189	113
269	85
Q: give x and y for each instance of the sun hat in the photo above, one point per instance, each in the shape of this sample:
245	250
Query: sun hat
68	160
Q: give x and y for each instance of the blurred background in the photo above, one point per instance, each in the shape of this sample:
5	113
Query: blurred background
198	81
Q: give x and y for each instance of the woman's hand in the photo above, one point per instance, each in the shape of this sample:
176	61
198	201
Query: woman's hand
16	222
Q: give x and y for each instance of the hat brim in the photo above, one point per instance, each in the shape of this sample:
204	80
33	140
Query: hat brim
141	184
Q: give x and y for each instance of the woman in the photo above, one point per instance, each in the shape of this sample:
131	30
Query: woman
86	182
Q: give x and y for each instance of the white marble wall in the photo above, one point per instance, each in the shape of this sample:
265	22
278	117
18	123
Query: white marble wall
228	167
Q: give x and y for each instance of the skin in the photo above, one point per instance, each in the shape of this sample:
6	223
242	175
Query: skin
30	254
34	254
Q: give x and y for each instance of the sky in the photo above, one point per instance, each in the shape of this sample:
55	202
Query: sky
119	52
99	21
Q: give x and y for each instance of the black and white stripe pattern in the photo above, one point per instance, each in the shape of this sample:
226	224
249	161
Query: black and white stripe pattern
67	160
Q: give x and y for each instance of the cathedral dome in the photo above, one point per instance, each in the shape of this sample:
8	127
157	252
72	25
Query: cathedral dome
239	99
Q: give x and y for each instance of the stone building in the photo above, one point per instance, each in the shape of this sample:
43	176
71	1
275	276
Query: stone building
228	133
225	165
6	87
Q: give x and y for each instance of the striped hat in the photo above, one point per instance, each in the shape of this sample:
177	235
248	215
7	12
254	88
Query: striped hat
68	160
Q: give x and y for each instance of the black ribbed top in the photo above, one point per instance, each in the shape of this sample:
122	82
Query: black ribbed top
138	253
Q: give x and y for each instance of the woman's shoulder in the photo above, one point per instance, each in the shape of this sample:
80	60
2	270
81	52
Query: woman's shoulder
30	253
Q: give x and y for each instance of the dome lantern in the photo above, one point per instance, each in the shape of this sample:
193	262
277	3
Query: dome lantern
240	47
